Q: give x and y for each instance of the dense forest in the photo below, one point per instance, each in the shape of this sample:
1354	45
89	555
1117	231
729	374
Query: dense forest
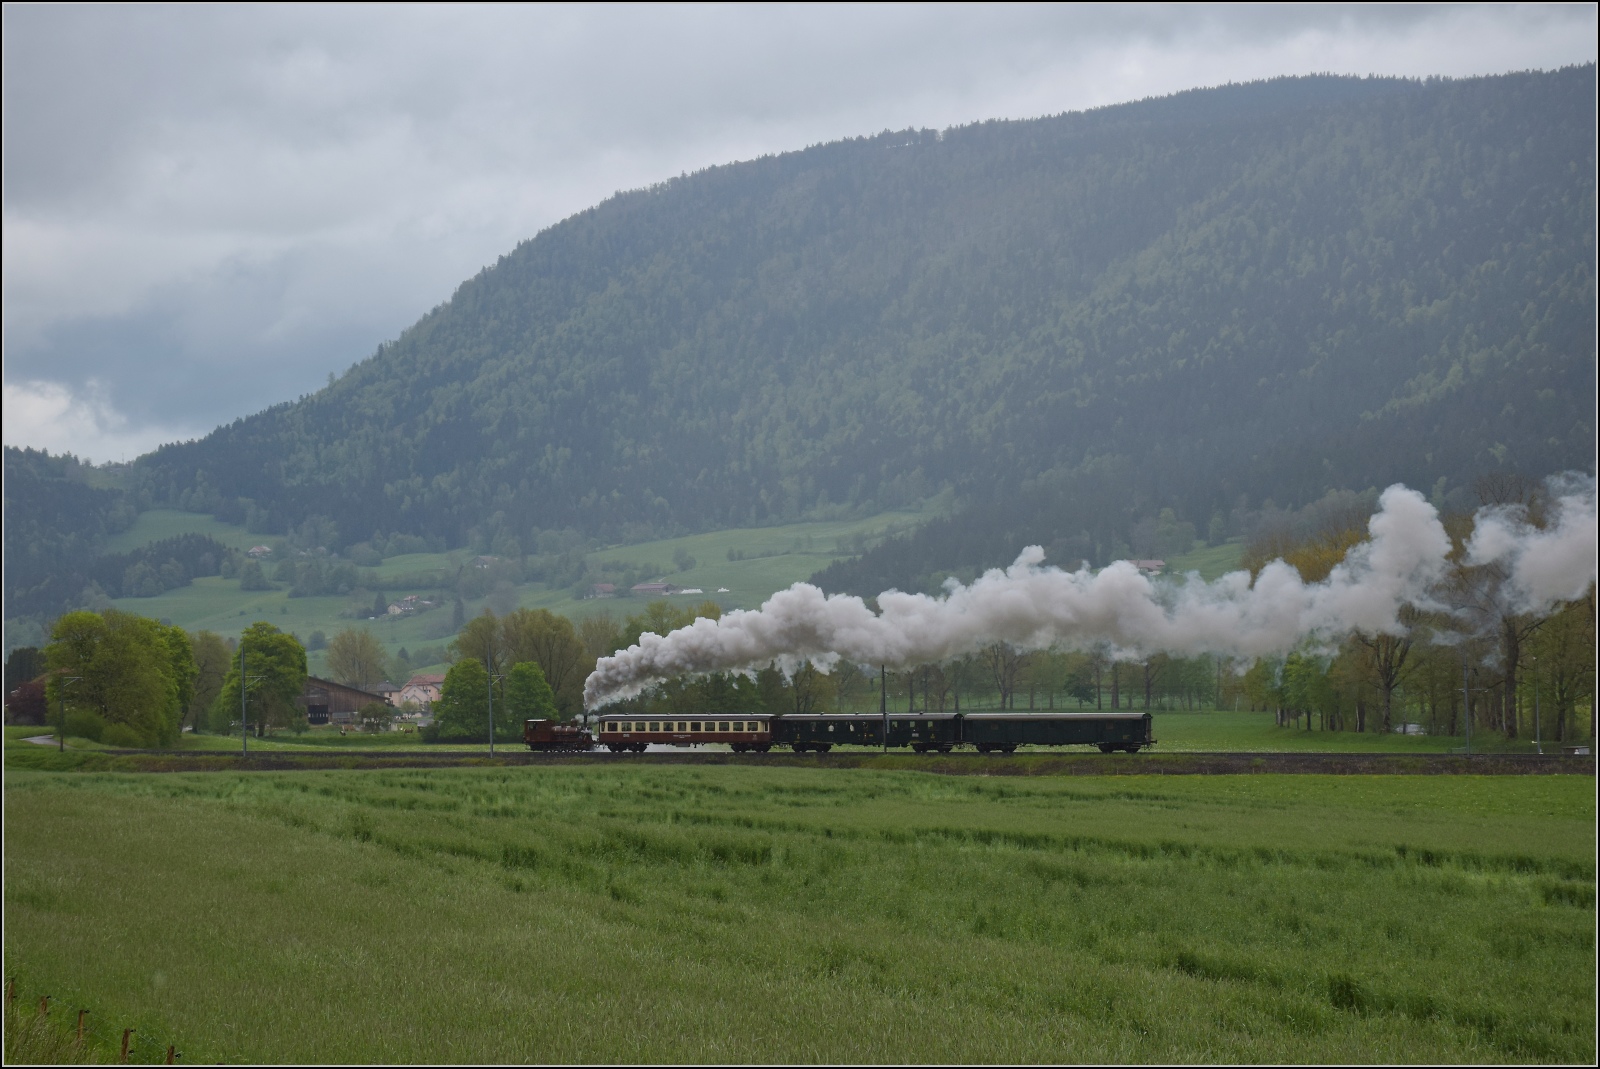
1192	303
56	520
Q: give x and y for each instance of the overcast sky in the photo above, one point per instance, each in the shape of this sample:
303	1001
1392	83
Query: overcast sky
209	209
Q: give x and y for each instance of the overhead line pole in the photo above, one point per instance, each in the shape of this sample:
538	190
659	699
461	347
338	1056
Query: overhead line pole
244	704
883	702
61	700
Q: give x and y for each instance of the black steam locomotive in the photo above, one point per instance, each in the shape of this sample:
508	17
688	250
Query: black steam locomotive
821	732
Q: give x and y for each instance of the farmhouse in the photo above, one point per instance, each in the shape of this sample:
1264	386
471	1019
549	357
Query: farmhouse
422	689
649	589
326	701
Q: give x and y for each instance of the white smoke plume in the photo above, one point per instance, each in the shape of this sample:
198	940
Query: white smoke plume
1543	566
1032	606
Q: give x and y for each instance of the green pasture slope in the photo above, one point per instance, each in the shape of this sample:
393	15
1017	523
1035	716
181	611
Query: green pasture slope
771	559
580	913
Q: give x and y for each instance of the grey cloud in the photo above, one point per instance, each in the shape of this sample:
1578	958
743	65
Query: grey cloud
190	191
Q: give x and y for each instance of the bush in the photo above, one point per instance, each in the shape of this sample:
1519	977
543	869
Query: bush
123	736
85	724
251	577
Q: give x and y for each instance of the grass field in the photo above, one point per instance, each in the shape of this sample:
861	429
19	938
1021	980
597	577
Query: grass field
1210	561
156	524
785	914
773	558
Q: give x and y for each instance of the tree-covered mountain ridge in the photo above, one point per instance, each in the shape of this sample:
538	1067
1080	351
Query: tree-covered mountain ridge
1266	289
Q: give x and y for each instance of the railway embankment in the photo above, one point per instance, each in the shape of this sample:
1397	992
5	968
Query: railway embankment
956	764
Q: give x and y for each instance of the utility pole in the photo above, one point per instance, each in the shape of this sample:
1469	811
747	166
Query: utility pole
1466	699
244	703
61	700
883	703
492	678
1538	742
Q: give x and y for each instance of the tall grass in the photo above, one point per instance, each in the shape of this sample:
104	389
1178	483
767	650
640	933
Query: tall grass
791	914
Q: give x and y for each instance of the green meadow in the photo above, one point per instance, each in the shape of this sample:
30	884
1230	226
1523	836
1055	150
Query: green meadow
738	914
751	563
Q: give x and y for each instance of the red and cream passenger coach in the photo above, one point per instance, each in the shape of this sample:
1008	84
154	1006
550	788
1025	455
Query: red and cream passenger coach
743	732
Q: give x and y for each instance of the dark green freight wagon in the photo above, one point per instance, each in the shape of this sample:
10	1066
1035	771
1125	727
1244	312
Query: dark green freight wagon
1004	732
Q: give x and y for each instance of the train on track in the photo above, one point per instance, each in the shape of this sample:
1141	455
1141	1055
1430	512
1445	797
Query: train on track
821	732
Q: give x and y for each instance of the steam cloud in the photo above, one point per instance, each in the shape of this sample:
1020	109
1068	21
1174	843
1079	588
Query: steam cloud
1033	606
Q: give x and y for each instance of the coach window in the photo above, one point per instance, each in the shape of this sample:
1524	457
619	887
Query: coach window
722	725
682	726
694	725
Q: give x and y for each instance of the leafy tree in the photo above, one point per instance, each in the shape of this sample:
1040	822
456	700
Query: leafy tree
481	639
251	577
135	676
462	712
211	658
276	665
598	633
355	658
528	696
551	642
23	664
375	716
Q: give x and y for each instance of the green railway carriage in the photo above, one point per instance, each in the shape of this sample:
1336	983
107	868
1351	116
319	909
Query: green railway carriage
821	732
1004	732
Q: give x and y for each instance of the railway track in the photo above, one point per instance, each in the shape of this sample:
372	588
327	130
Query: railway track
958	762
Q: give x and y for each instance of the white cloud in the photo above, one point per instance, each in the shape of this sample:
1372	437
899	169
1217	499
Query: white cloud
47	415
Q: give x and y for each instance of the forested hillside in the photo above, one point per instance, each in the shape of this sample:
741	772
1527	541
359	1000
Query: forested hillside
1261	290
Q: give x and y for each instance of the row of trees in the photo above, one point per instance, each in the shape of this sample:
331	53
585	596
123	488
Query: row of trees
127	680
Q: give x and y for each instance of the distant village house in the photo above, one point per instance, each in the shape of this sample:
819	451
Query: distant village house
422	689
652	589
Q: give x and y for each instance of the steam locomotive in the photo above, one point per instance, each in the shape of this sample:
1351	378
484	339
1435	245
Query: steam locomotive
821	732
